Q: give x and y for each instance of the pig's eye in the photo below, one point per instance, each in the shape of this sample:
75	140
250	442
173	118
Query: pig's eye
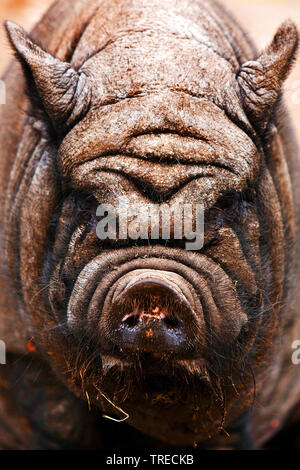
229	211
85	207
233	207
79	208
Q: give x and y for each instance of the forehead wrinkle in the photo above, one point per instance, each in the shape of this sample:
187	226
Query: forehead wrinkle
149	32
114	21
104	133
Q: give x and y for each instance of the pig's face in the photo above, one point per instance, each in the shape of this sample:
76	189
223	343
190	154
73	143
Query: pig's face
166	334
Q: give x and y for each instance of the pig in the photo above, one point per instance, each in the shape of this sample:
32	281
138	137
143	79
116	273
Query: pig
111	342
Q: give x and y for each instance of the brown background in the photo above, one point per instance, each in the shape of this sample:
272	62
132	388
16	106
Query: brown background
260	18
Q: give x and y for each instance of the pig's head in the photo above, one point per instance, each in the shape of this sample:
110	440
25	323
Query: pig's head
173	337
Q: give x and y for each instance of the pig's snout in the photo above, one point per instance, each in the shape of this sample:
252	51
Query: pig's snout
164	302
151	311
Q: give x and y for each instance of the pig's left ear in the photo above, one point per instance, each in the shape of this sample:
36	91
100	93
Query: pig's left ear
260	81
62	91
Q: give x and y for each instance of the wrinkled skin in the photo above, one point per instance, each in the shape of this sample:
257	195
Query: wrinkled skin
161	103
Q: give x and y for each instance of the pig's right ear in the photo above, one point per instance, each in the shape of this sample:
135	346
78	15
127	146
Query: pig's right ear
64	93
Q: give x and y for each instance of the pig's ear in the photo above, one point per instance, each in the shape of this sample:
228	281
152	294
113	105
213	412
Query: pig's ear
63	92
260	81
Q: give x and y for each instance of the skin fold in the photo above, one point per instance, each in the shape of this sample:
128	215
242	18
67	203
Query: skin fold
161	103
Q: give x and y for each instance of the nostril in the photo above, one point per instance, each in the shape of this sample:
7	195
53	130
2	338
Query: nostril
130	320
171	322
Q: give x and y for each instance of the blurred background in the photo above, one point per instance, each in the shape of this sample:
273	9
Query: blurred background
259	17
